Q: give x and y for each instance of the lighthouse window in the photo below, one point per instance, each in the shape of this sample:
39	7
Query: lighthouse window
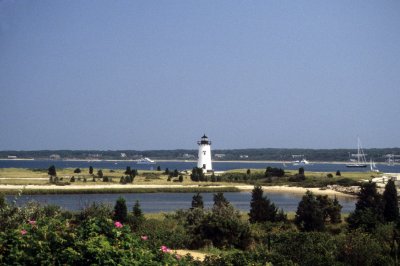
204	152
204	166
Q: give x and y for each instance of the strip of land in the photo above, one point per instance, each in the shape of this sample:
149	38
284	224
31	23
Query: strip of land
109	188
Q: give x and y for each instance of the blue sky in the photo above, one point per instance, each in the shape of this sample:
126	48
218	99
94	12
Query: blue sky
158	74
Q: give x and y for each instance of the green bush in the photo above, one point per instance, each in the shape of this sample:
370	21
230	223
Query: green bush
312	248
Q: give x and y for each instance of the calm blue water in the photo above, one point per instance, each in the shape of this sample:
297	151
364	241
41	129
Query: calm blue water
218	166
156	202
167	202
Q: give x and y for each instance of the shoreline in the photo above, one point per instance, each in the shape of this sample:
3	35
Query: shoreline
120	188
181	161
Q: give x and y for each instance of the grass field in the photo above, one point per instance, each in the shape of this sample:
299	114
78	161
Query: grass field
86	183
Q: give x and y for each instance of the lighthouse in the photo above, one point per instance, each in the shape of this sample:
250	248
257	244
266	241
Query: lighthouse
204	161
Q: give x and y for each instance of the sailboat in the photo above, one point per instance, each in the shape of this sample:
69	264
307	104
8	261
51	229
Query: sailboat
360	161
373	166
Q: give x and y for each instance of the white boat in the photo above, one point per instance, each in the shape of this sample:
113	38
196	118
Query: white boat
360	160
302	162
145	160
373	166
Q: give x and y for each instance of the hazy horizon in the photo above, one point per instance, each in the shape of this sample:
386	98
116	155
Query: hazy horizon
133	75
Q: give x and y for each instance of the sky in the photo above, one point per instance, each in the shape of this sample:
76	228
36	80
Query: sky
141	75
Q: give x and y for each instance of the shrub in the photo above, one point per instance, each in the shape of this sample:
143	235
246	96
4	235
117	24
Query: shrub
359	248
311	248
197	201
52	171
100	174
77	171
224	228
273	171
197	174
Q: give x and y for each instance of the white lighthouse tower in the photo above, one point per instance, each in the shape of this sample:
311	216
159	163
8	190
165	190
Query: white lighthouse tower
204	161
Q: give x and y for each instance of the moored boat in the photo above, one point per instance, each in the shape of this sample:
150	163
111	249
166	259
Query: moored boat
145	160
360	162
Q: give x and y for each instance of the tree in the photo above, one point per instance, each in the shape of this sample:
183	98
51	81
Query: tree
128	170
222	226
261	209
248	172
369	209
213	178
197	201
181	178
220	200
166	171
391	207
52	171
90	170
301	171
120	210
176	173
197	174
335	212
309	216
77	170
137	212
338	173
100	173
72	179
132	174
158	168
330	208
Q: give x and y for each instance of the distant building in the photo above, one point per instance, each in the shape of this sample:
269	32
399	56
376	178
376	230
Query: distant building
123	155
55	157
244	156
188	156
219	155
94	155
12	157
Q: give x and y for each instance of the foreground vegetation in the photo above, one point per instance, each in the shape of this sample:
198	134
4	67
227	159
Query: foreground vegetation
99	235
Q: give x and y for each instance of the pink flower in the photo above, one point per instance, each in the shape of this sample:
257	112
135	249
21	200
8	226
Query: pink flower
144	238
23	232
165	249
178	257
32	222
118	224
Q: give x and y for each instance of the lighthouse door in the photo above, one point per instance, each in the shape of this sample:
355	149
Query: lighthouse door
204	166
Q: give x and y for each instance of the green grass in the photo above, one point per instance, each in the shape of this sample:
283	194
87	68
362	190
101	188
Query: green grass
20	176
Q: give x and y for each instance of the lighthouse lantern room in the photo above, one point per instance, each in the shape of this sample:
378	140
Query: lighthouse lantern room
204	161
